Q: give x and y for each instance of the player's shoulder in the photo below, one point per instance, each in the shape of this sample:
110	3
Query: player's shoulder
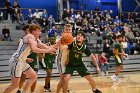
29	36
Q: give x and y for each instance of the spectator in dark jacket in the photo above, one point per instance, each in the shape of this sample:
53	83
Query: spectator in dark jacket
6	34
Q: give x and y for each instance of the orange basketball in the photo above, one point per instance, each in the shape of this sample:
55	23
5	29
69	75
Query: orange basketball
66	39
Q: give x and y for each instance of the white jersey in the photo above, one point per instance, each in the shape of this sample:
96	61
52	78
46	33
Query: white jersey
22	52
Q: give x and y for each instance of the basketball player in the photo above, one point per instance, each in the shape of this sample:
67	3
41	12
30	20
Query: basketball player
62	57
47	64
118	55
29	43
75	63
32	61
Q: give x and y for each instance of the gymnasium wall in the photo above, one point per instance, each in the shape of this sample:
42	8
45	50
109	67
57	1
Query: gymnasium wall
130	6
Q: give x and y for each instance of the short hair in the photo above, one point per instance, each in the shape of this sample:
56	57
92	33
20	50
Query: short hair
82	33
25	27
33	27
68	25
118	36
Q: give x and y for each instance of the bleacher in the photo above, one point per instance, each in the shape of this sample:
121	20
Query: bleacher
7	48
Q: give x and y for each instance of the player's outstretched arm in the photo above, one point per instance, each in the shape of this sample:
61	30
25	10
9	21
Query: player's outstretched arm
42	45
35	49
95	63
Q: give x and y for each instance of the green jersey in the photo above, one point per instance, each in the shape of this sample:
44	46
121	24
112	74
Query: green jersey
118	47
118	58
76	53
34	64
47	60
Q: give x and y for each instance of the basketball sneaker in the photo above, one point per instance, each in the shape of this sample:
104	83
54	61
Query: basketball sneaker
114	78
97	91
19	91
46	89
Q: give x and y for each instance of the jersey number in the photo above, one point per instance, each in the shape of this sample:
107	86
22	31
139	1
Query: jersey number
76	55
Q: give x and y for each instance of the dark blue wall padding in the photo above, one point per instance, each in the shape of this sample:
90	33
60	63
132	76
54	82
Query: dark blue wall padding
129	6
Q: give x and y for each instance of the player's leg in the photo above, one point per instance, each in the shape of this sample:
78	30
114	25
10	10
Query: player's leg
118	70
13	86
16	71
92	83
32	78
47	80
83	72
34	66
119	64
33	86
59	85
22	80
65	82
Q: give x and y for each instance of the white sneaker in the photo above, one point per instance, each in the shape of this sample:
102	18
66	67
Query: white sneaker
114	78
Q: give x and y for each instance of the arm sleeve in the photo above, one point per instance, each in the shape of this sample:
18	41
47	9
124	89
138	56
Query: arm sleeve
87	51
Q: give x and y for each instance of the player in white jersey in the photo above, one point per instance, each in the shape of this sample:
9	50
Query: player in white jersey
29	43
62	58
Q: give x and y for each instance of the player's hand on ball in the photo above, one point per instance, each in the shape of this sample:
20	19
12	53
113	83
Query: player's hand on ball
29	60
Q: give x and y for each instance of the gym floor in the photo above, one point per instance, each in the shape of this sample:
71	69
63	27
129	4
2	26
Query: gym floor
129	83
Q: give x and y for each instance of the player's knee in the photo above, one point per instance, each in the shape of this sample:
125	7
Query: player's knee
33	77
121	67
49	74
66	78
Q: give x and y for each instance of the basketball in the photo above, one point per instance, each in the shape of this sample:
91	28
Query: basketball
66	39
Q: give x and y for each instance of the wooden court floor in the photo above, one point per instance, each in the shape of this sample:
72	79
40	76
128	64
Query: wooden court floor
129	83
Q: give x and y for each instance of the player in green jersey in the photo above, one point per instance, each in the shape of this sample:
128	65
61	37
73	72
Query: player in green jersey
47	64
75	63
118	54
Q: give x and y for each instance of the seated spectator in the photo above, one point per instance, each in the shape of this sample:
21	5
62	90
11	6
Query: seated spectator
30	15
125	45
107	49
1	16
136	17
37	15
51	21
52	32
131	46
104	64
58	31
15	11
136	36
45	14
6	34
137	46
44	24
20	21
117	20
34	21
7	6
